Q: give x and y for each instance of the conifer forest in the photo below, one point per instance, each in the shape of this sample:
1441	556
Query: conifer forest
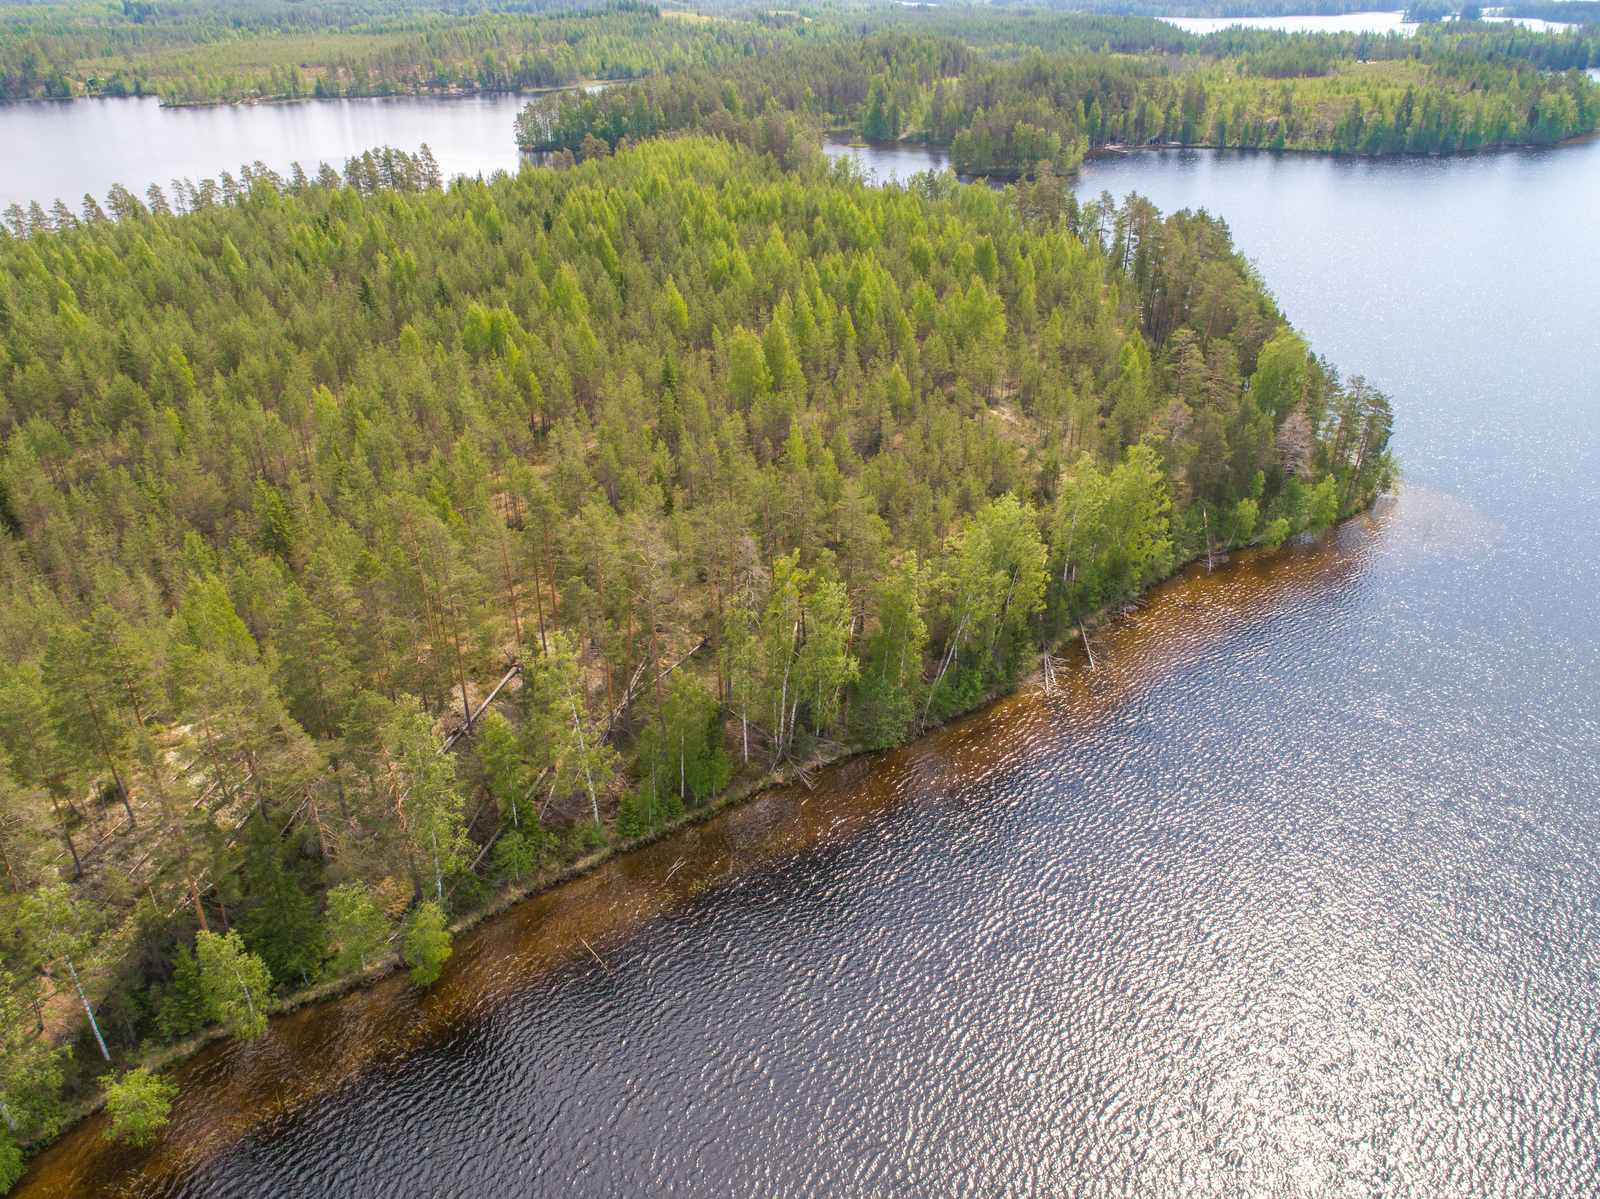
377	544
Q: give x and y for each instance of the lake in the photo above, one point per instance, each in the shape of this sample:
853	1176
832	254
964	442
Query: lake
137	142
1297	892
1352	22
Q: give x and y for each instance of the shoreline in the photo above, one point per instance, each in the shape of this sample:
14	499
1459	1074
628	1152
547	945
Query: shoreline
162	1058
270	101
1114	149
851	139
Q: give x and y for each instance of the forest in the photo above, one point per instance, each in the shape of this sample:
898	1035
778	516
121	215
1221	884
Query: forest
241	51
372	545
247	50
1004	118
250	50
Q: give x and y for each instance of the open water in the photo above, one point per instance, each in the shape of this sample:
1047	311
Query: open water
1296	893
1353	22
64	148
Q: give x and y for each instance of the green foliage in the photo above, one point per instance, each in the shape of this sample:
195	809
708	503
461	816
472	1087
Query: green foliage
993	584
11	1162
280	925
426	943
576	744
1343	93
684	751
889	692
516	854
505	769
30	1069
183	1008
357	931
192	53
236	984
736	461
64	928
1278	385
1110	536
429	806
648	810
137	1105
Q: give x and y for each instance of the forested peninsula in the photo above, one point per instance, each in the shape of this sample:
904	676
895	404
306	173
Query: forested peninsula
1005	91
370	545
1007	118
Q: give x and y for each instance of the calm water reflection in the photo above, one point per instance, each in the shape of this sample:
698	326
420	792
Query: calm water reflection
65	148
889	162
1297	895
1353	22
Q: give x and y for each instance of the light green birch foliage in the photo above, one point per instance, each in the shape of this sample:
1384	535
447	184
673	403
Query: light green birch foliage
237	984
357	931
426	943
138	1105
429	804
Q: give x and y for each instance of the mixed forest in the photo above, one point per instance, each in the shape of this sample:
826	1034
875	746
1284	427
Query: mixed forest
244	51
374	546
1005	116
369	544
1468	74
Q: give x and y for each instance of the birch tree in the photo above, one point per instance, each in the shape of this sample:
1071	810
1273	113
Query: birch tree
426	943
357	931
138	1104
427	804
236	983
64	928
30	1068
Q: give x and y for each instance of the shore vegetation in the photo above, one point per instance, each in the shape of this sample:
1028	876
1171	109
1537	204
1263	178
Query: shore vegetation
368	544
1007	116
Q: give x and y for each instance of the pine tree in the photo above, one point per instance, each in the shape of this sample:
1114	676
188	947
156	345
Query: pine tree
84	705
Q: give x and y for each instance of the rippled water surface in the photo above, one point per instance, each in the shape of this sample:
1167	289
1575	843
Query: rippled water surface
1296	894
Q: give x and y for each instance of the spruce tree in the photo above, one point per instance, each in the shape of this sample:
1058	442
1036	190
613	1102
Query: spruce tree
183	1008
280	924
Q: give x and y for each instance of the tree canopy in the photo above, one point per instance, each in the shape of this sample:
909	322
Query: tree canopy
350	533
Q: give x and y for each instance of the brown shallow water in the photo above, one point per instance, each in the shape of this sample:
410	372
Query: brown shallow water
1145	930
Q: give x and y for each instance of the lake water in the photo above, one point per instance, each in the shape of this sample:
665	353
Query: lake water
57	148
1353	22
1296	894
